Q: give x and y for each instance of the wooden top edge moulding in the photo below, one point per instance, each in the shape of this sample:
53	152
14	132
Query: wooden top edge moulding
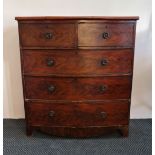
78	18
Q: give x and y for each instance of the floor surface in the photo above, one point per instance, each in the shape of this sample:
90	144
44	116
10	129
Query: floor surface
16	142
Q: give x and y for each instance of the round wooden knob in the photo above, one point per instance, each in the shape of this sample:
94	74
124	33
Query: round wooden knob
105	35
103	114
51	88
102	88
51	113
50	62
48	35
104	62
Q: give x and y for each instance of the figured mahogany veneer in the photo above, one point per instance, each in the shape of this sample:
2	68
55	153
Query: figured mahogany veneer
77	74
77	62
78	88
48	35
78	115
106	34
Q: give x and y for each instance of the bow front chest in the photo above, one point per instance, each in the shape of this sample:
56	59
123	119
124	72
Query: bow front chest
77	74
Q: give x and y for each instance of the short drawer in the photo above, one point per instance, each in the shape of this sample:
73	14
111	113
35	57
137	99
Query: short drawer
106	34
77	62
77	88
48	35
83	115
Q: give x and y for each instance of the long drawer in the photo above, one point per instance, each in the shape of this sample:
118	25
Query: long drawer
77	62
77	88
79	115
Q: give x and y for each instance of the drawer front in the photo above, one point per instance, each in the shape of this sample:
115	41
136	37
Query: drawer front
78	88
48	35
82	62
62	114
105	34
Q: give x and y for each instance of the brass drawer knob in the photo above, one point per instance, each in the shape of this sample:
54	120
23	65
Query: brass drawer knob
50	62
51	88
48	35
51	114
105	35
102	88
104	62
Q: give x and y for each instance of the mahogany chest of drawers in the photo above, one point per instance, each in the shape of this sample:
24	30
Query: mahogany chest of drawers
77	74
